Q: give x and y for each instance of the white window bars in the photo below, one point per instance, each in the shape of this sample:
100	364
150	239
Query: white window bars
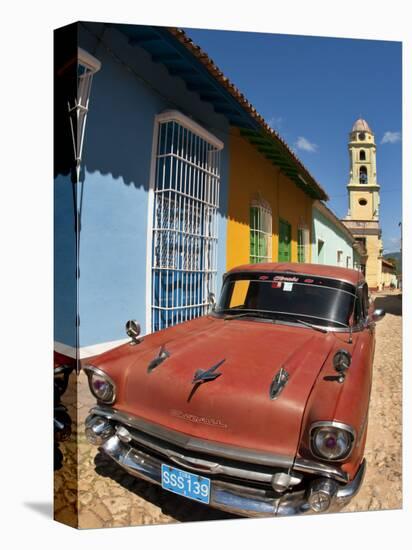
184	231
260	231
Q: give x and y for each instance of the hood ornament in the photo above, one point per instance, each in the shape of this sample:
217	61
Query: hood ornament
278	383
207	375
133	330
163	354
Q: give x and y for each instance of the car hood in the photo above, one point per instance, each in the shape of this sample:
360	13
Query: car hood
235	408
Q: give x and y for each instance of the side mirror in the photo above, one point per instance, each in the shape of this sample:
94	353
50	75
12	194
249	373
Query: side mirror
133	330
212	300
378	314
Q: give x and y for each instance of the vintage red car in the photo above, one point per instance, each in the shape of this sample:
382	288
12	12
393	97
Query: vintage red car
259	408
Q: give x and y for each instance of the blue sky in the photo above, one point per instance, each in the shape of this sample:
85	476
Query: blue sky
311	90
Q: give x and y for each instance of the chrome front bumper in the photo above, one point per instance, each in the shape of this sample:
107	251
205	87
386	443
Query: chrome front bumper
231	497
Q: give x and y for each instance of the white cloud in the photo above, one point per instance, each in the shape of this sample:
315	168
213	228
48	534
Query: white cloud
391	137
275	122
394	244
305	145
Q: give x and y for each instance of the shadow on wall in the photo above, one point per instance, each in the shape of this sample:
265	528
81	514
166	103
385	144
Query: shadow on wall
44	509
115	140
127	93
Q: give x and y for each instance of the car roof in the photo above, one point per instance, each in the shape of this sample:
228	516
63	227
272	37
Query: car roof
351	276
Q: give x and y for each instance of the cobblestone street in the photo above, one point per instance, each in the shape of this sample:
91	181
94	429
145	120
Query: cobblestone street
109	497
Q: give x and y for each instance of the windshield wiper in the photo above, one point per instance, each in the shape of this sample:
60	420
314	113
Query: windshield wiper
258	314
296	317
269	316
315	327
298	320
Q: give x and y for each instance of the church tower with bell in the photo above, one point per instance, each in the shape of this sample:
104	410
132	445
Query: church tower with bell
363	194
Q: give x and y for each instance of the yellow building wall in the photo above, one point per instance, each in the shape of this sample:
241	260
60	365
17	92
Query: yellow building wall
252	175
359	212
388	276
373	263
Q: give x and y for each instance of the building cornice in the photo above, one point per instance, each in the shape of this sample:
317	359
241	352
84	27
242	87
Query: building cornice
171	47
364	186
362	144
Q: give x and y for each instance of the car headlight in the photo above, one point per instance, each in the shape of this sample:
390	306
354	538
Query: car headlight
101	385
61	379
331	440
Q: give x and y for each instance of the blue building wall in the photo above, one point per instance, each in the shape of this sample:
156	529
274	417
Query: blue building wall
65	287
127	93
334	239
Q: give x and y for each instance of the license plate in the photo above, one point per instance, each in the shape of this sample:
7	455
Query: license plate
186	484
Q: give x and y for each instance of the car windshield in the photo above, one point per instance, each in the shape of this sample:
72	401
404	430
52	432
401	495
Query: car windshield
321	301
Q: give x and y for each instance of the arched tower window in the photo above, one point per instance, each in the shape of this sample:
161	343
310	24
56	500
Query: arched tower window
363	174
362	155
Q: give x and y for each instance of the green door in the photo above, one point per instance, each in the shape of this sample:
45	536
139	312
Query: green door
284	241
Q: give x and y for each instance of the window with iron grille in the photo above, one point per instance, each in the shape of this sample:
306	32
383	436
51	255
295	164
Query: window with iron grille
184	230
260	232
303	241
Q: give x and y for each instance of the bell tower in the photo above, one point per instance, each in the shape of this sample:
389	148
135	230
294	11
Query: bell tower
363	198
363	189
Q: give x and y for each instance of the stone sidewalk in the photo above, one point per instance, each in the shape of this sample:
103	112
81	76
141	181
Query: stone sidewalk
109	497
